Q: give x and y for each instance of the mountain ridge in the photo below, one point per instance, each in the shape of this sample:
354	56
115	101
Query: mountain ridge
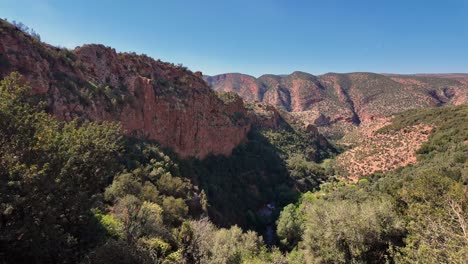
338	102
150	98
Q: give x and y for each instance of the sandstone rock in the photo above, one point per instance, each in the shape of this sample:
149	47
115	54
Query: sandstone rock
150	98
338	103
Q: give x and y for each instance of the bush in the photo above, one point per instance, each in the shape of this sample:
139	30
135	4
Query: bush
289	227
346	232
51	175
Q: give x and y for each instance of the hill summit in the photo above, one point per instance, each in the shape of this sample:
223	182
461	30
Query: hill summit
337	103
150	98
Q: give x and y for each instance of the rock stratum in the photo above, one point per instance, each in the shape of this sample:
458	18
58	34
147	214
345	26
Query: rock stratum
338	103
150	98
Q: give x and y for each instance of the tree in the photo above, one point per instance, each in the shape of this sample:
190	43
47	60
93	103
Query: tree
438	226
289	226
211	245
27	30
231	245
200	248
123	184
51	175
139	218
347	232
118	252
307	174
175	210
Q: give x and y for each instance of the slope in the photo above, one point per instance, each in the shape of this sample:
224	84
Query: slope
337	103
150	98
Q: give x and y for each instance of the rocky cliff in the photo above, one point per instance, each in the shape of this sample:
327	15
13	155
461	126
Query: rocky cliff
150	98
337	103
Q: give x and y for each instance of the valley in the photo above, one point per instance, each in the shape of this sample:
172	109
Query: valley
115	157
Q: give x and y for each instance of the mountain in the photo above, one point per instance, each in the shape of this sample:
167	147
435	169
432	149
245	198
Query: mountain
337	103
392	189
372	151
462	77
150	98
174	107
66	185
420	208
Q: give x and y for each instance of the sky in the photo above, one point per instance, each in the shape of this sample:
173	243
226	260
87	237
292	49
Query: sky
263	36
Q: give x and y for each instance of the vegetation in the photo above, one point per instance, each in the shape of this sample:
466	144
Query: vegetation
27	30
291	142
269	168
51	175
228	97
303	153
416	214
79	192
237	186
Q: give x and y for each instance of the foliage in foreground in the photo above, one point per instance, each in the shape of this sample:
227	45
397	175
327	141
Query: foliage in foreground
79	192
416	214
51	175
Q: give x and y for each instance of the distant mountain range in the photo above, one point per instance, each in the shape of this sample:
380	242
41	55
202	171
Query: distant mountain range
337	103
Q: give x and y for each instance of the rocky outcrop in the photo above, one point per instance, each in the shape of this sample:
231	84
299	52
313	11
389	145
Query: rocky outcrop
265	116
244	85
150	98
338	103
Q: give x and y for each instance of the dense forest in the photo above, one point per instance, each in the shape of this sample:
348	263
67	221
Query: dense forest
80	192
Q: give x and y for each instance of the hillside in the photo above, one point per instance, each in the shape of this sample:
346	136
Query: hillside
380	152
177	163
390	143
462	77
188	151
117	158
337	103
152	99
414	214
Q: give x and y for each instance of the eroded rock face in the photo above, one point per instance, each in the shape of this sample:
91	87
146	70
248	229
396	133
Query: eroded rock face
265	116
338	103
150	98
244	85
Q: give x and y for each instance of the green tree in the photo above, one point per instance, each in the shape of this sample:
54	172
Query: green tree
438	220
123	184
212	245
175	210
289	226
231	245
349	232
118	252
139	218
51	175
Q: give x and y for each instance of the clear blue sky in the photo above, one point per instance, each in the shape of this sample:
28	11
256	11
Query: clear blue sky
264	36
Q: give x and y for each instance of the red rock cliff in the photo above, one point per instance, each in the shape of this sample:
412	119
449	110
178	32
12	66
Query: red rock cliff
150	98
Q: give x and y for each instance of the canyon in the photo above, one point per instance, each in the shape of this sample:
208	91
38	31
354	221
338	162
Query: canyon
338	103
